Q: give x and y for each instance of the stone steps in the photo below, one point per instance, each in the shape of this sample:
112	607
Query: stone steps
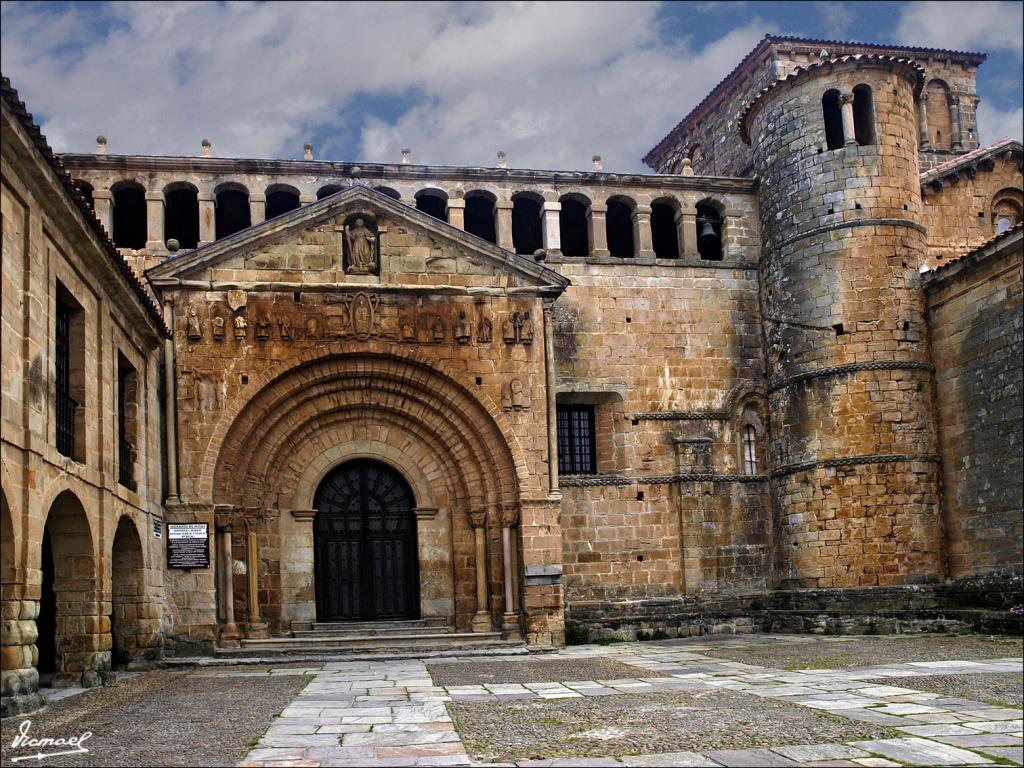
370	628
410	640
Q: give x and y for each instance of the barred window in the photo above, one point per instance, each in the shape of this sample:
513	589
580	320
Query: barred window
576	440
750	450
65	404
127	424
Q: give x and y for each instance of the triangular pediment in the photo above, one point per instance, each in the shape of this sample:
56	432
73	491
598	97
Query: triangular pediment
312	244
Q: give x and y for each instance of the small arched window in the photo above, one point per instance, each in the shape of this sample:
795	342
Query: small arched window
433	202
663	230
833	115
1006	210
709	233
863	115
526	227
233	213
619	227
327	190
940	122
572	225
749	450
130	229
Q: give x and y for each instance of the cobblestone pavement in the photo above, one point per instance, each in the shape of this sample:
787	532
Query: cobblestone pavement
365	713
155	718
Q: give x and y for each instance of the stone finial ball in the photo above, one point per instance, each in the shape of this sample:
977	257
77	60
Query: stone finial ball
173	245
207	143
406	150
101	139
307	146
596	158
355	171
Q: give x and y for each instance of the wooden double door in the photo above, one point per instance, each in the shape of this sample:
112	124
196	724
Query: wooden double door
364	539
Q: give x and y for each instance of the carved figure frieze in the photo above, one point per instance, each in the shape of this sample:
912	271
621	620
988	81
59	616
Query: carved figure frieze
358	315
312	327
508	330
193	330
437	329
237	300
517	328
263	325
361	245
513	396
525	329
217	323
485	330
463	329
284	327
207	393
241	327
408	325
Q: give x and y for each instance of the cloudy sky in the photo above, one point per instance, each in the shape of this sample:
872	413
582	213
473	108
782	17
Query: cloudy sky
550	83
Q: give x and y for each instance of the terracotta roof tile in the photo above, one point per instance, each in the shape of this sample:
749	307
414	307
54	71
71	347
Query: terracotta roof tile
970	158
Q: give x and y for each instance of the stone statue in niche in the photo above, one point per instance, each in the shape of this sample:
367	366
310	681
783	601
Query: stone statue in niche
284	327
437	328
240	326
508	329
408	329
463	329
513	396
362	248
193	330
217	324
525	329
263	328
484	330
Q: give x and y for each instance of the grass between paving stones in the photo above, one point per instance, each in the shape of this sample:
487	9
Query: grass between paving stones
566	669
251	745
995	758
837	652
630	724
999	689
160	718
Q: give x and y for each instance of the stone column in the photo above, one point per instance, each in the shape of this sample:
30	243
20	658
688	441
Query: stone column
503	224
257	627
597	230
307	199
229	631
170	403
550	228
849	132
510	619
643	242
457	213
257	209
103	205
957	116
154	220
482	618
19	679
922	119
207	218
686	232
551	385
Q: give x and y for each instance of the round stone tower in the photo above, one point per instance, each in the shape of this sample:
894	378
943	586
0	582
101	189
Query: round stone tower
855	475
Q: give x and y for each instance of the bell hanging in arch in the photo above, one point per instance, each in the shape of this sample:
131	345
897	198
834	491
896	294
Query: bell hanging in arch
707	232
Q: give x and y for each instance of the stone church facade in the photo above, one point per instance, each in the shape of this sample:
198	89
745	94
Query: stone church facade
774	384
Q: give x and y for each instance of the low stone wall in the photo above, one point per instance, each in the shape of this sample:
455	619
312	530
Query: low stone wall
981	604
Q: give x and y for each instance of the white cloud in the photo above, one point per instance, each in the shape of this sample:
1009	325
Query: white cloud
995	124
976	26
550	83
837	20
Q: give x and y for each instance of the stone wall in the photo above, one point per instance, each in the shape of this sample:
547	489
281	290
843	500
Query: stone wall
106	562
708	136
975	328
958	209
855	475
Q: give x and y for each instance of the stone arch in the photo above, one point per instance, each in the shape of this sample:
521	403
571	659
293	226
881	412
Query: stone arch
281	198
129	217
710	212
480	216
619	223
433	202
863	114
8	546
298	422
74	639
127	591
181	213
527	237
572	224
749	407
940	118
231	208
391	192
326	190
1007	207
664	233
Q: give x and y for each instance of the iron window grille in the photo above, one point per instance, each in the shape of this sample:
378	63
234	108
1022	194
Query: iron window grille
65	404
577	454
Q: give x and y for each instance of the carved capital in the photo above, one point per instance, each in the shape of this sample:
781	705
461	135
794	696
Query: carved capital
509	515
845	98
478	517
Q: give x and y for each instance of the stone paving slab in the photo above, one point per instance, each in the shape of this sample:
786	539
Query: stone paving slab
918	751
